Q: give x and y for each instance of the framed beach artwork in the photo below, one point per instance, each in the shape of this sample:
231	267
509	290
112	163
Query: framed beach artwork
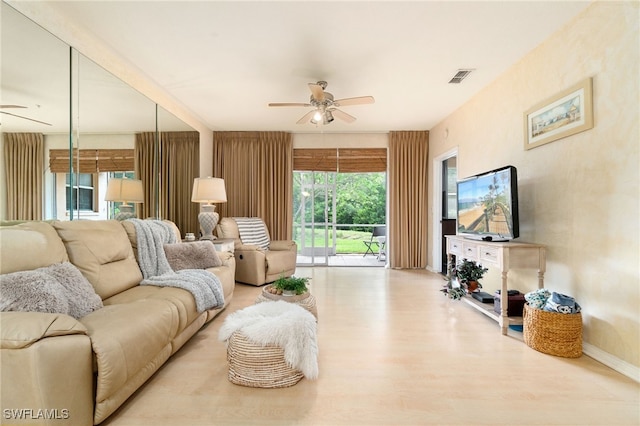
562	115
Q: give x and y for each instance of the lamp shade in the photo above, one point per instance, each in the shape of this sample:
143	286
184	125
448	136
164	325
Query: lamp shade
208	190
127	190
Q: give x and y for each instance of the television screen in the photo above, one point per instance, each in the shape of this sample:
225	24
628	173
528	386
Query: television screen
488	205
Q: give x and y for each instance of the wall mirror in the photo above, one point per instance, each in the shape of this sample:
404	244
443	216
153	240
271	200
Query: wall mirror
78	107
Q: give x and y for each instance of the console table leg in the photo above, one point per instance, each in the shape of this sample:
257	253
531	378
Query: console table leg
504	304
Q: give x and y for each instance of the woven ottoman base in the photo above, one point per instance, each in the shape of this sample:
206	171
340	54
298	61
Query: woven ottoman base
258	366
306	300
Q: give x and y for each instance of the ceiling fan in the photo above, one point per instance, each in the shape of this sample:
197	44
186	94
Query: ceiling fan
19	116
325	105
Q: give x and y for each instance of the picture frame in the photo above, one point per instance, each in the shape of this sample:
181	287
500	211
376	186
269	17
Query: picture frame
564	114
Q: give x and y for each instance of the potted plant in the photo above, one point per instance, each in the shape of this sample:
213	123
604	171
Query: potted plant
469	273
464	278
289	286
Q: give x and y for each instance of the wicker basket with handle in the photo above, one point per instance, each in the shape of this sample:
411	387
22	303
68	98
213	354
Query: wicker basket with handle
553	333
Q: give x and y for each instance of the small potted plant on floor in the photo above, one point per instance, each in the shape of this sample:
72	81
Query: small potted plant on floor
463	278
289	286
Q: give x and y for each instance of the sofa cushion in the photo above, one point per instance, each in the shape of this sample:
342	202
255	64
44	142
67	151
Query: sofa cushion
30	245
59	288
124	351
102	252
195	255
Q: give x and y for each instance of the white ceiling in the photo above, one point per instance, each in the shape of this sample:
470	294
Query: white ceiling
225	61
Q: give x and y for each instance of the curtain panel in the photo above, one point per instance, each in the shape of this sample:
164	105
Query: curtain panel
167	170
24	171
257	168
179	166
146	170
408	174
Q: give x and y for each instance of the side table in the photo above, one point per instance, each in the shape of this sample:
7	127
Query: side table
224	244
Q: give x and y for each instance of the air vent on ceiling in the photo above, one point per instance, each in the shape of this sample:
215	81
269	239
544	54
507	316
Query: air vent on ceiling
461	74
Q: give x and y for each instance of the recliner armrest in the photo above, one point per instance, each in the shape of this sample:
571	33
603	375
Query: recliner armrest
248	247
283	245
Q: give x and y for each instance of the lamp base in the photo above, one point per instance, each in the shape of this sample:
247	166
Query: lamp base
208	219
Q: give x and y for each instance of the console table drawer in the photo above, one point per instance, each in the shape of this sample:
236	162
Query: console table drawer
455	247
470	250
489	255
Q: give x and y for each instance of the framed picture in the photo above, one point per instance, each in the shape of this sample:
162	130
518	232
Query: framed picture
562	115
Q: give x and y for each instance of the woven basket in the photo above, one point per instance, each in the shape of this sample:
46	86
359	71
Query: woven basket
258	366
305	300
553	333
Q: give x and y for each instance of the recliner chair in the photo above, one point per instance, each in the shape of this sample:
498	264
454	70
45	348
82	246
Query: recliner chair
259	260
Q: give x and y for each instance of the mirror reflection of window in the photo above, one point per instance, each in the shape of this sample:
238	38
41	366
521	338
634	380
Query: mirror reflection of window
83	196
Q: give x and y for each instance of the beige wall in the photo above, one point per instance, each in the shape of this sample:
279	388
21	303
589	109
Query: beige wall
578	195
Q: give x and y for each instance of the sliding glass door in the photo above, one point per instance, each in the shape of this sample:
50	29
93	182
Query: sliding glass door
314	216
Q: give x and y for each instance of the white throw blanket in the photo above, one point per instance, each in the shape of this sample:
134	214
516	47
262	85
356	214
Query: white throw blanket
152	235
282	324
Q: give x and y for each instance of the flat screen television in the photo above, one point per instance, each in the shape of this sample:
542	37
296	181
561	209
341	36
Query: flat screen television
488	205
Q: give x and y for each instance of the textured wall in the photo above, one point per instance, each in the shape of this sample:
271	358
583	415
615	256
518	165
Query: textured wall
578	195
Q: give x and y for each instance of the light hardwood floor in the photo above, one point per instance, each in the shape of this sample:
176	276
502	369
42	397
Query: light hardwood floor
393	351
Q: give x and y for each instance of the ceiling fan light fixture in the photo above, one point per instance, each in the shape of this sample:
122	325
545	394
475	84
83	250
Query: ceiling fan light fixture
328	117
317	117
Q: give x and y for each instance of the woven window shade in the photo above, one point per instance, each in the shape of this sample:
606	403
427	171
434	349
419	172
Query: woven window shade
317	160
362	160
344	160
92	160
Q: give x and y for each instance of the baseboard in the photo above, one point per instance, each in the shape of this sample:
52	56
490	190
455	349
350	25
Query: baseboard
611	361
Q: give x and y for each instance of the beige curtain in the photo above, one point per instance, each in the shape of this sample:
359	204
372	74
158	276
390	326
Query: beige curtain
146	170
24	168
257	168
408	159
180	165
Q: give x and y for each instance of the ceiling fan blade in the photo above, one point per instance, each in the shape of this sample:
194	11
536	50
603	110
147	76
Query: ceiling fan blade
12	106
342	115
317	91
360	100
306	118
288	104
26	118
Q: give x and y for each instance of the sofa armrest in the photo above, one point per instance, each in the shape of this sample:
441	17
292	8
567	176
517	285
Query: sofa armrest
21	329
283	245
46	367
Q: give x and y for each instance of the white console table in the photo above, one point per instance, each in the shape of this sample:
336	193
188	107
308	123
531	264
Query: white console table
504	256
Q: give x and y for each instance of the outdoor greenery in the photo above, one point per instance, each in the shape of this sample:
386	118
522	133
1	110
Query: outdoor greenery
360	198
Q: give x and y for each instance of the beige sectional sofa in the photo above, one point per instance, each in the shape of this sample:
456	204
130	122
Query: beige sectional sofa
59	370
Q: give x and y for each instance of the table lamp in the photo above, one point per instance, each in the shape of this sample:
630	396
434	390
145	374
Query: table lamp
127	191
207	191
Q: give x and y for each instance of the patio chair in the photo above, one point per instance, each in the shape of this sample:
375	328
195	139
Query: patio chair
377	242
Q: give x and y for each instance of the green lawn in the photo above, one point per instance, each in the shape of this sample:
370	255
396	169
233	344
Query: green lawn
347	242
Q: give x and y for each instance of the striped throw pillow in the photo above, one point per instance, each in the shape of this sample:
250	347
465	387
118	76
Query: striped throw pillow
253	231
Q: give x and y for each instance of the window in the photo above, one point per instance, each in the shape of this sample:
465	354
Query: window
83	196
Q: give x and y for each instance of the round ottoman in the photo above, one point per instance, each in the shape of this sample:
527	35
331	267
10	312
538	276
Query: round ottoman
270	345
258	366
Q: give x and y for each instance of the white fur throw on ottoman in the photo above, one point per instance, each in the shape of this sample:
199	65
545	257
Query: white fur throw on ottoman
282	324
